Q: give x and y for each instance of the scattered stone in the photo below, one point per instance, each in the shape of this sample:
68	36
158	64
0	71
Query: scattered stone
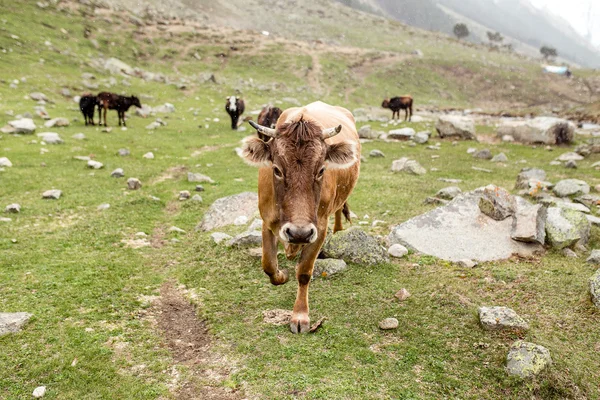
152	126
199	188
176	229
59	122
103	206
225	210
184	195
79	136
246	239
397	250
4	219
5	162
527	359
595	288
328	267
402	134
196	177
94	164
566	227
448	193
451	125
149	155
133	184
388	323
365	132
13	322
527	175
123	152
52	194
23	125
39	392
13	208
567	252
37	96
409	166
471	150
402	294
594	257
501	158
570	187
484	154
571	164
51	137
118	173
571	156
219	237
355	246
497	203
197	198
529	224
466	263
497	318
421	137
546	130
376	153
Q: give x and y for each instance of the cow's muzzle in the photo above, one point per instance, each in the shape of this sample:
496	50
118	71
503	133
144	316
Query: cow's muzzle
298	234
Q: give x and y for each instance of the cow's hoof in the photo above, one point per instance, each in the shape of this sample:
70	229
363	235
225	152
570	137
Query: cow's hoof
280	277
300	323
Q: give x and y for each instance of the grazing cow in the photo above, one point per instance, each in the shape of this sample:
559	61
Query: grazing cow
268	117
307	170
87	105
399	103
235	108
111	101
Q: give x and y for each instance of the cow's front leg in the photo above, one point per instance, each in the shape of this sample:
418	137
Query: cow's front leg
300	322
269	258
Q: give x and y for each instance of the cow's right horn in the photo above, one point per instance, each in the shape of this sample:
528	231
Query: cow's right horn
330	132
263	129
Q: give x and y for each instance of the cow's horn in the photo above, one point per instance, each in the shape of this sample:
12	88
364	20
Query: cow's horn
330	132
263	129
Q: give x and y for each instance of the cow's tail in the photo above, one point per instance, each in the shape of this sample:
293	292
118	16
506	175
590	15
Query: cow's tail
346	212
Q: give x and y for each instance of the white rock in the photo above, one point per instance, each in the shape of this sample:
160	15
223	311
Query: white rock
51	137
117	173
103	206
388	323
149	155
52	194
23	125
94	164
5	162
39	392
397	250
13	208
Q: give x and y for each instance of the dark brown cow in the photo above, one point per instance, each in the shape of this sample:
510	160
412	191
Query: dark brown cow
308	168
87	105
110	101
234	107
268	117
399	103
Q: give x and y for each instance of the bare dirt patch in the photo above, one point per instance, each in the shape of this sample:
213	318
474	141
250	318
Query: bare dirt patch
171	173
189	342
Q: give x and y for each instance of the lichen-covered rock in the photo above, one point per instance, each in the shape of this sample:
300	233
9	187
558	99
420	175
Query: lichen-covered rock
452	125
327	267
595	288
246	239
529	224
497	203
527	359
497	318
365	132
225	210
570	187
355	246
13	322
565	227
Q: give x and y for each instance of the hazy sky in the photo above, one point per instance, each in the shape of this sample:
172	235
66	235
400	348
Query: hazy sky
576	12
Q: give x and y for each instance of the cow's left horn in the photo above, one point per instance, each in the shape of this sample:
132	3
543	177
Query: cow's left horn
330	132
263	129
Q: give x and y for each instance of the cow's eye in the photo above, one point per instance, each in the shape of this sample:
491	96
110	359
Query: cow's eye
321	172
277	172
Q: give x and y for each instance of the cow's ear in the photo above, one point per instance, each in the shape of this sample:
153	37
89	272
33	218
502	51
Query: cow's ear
256	152
341	155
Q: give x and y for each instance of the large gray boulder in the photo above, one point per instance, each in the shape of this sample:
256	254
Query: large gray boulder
13	322
529	224
355	246
453	125
497	318
546	130
459	231
224	211
595	288
527	359
571	187
565	227
23	125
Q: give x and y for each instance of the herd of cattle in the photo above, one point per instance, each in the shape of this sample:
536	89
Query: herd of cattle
309	161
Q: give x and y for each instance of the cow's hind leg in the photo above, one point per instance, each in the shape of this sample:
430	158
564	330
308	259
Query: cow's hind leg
300	321
269	258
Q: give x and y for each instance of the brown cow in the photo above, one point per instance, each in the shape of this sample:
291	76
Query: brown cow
268	117
399	103
308	169
111	101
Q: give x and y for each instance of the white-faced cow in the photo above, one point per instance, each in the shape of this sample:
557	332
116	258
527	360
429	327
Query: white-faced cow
234	107
307	170
399	103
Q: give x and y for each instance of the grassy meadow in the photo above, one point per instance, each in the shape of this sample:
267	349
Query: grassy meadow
94	334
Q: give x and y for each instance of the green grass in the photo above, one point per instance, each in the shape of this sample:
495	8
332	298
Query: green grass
64	261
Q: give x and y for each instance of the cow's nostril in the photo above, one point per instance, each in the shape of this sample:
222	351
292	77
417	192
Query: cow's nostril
311	233
288	233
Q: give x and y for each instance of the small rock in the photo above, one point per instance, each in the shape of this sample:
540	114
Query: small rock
104	206
571	164
51	137
123	152
529	224
484	154
13	322
495	318
471	150
5	162
59	122
466	263
149	155
197	198
355	246
256	225
527	359
79	136
500	158
219	237
508	138
176	229
13	208
133	184
196	177
421	137
94	164
594	257
497	203
39	392
52	194
199	188
567	252
402	294
246	239
448	193
571	156
328	267
397	250
376	153
401	134
118	173
388	323
184	195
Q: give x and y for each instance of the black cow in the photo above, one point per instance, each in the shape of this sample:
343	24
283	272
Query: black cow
399	103
234	107
87	105
111	101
